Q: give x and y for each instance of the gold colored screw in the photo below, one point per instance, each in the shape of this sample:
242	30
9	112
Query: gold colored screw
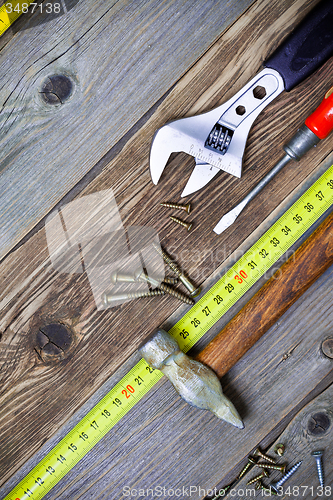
108	298
188	225
170	281
186	208
250	463
258	453
279	449
194	291
264	465
257	478
271	491
141	276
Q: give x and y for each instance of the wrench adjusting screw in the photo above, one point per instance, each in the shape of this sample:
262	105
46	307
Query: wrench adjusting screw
186	208
318	456
188	225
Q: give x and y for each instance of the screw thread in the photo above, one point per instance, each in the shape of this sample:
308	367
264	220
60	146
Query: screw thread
280	468
188	225
170	281
174	293
257	478
320	471
186	208
108	298
250	463
286	476
194	291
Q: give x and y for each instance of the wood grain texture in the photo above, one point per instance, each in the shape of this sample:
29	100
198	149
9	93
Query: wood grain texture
271	301
38	398
165	442
112	53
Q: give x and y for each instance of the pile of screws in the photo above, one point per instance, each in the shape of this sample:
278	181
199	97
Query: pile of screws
160	288
269	464
185	208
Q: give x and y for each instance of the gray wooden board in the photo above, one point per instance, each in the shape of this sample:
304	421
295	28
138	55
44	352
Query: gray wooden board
164	442
121	56
300	441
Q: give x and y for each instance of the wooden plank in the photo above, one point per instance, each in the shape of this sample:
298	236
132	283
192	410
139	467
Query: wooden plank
112	55
33	294
164	442
309	431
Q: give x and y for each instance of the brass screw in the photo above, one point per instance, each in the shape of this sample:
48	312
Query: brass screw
108	298
258	453
194	291
281	468
140	275
249	464
279	449
188	225
186	208
257	478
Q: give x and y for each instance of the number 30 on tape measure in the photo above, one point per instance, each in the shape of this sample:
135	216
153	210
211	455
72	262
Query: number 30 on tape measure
189	329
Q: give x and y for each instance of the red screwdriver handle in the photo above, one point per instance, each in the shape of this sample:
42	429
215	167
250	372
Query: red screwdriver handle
320	122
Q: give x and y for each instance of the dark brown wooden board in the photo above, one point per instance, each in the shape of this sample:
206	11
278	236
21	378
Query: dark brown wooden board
38	397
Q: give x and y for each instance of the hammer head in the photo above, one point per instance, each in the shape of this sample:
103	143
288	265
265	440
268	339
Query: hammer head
197	384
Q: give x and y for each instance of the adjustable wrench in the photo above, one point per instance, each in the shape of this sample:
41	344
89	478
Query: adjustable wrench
217	139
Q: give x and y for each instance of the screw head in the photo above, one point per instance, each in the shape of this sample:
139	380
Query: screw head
317	453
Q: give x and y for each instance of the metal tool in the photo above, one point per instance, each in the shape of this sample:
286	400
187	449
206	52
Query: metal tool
318	455
275	486
217	139
196	383
317	126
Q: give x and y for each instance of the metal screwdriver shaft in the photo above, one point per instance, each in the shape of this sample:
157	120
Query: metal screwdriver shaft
317	126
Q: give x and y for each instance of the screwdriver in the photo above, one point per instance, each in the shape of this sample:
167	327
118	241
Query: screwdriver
317	126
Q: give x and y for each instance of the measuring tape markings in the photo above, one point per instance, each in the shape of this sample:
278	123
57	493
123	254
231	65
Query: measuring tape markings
188	330
7	18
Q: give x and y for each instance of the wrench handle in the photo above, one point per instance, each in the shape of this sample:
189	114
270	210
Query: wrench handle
307	47
295	276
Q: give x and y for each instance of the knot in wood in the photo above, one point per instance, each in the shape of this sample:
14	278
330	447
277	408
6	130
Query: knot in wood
318	424
53	342
327	347
56	89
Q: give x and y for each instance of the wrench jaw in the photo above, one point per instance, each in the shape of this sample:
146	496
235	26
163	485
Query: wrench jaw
216	138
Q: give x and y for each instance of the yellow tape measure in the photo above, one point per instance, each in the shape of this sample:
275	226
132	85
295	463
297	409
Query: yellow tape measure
191	327
11	10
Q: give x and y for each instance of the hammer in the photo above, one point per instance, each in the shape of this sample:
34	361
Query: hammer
197	380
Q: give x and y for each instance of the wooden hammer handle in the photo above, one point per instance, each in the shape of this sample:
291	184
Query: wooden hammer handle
295	276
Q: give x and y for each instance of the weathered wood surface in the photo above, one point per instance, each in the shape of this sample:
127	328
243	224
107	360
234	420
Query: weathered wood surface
311	430
165	442
38	397
121	58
